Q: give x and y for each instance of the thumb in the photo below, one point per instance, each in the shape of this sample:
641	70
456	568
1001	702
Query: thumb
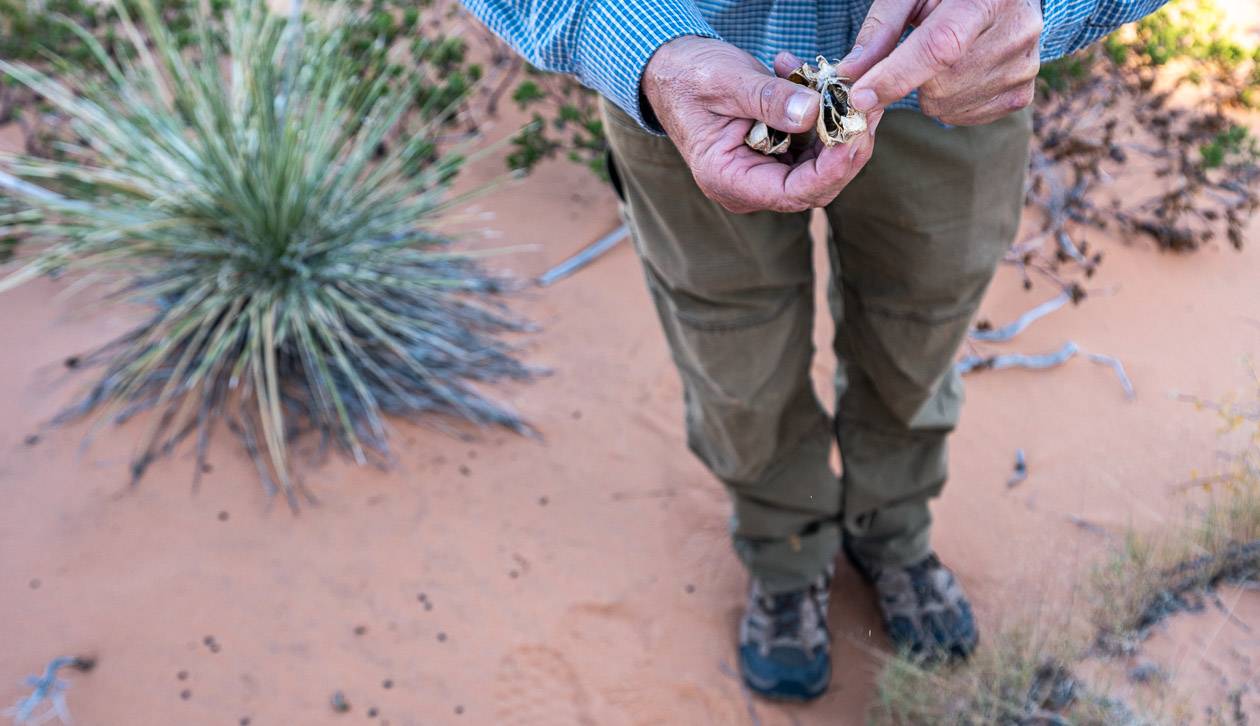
781	104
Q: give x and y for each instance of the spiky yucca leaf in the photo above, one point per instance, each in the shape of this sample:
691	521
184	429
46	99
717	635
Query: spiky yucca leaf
290	258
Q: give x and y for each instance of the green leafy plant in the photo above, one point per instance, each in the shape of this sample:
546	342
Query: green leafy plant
565	118
292	262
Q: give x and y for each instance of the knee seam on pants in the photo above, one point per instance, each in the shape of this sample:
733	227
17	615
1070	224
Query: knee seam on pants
820	432
914	316
747	321
906	433
742	322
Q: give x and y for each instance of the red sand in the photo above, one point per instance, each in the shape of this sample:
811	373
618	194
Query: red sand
584	578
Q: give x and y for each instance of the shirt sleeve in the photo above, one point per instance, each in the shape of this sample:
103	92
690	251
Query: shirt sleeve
606	44
1069	25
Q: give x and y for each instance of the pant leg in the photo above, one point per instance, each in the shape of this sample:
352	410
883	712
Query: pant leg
916	238
734	295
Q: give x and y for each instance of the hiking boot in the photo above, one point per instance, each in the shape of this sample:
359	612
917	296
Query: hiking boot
925	611
784	646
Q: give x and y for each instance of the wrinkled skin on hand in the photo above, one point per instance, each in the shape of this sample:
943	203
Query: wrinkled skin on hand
973	61
707	95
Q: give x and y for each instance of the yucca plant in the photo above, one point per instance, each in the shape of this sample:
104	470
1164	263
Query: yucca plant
292	260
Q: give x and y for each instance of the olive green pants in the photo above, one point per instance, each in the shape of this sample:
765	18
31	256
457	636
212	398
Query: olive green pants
914	242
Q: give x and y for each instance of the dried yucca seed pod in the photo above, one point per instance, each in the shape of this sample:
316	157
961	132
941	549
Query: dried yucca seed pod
767	140
838	122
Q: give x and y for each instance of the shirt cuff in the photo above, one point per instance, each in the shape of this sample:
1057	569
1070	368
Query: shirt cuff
1061	24
622	35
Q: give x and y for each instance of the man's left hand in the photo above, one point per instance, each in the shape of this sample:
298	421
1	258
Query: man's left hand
973	61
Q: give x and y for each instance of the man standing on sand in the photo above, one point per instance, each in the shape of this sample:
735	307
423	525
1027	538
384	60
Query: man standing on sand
916	232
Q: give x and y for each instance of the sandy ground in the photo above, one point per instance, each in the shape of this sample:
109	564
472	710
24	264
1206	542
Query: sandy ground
583	578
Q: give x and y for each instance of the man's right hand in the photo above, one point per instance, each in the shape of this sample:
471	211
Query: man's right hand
707	94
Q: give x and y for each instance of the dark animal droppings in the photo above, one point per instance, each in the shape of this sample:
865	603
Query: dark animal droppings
542	501
464	470
182	675
35	583
360	629
372	712
339	703
32	439
441	637
223	516
244	720
690	589
387	683
185	694
459	710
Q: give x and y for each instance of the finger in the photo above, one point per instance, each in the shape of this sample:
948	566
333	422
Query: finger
1002	105
752	182
881	30
940	42
785	63
817	181
783	105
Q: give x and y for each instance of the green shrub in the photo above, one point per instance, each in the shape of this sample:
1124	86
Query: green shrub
289	256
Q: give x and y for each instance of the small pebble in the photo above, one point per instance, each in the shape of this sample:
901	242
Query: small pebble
244	721
690	589
441	637
339	703
513	574
459	710
223	516
73	361
372	712
207	468
387	683
32	439
182	675
464	470
360	629
577	415
185	694
542	501
1146	672
35	583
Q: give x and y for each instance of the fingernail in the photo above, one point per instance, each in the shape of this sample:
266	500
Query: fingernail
800	104
864	99
853	54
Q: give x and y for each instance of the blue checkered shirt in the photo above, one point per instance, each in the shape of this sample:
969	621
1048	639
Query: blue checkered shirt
607	43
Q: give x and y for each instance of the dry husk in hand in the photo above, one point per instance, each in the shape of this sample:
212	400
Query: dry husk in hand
838	122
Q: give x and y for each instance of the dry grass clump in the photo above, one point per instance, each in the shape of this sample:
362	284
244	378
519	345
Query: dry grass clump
1156	574
1024	676
1020	676
1153	576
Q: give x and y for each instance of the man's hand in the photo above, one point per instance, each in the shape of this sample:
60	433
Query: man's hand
973	61
707	94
